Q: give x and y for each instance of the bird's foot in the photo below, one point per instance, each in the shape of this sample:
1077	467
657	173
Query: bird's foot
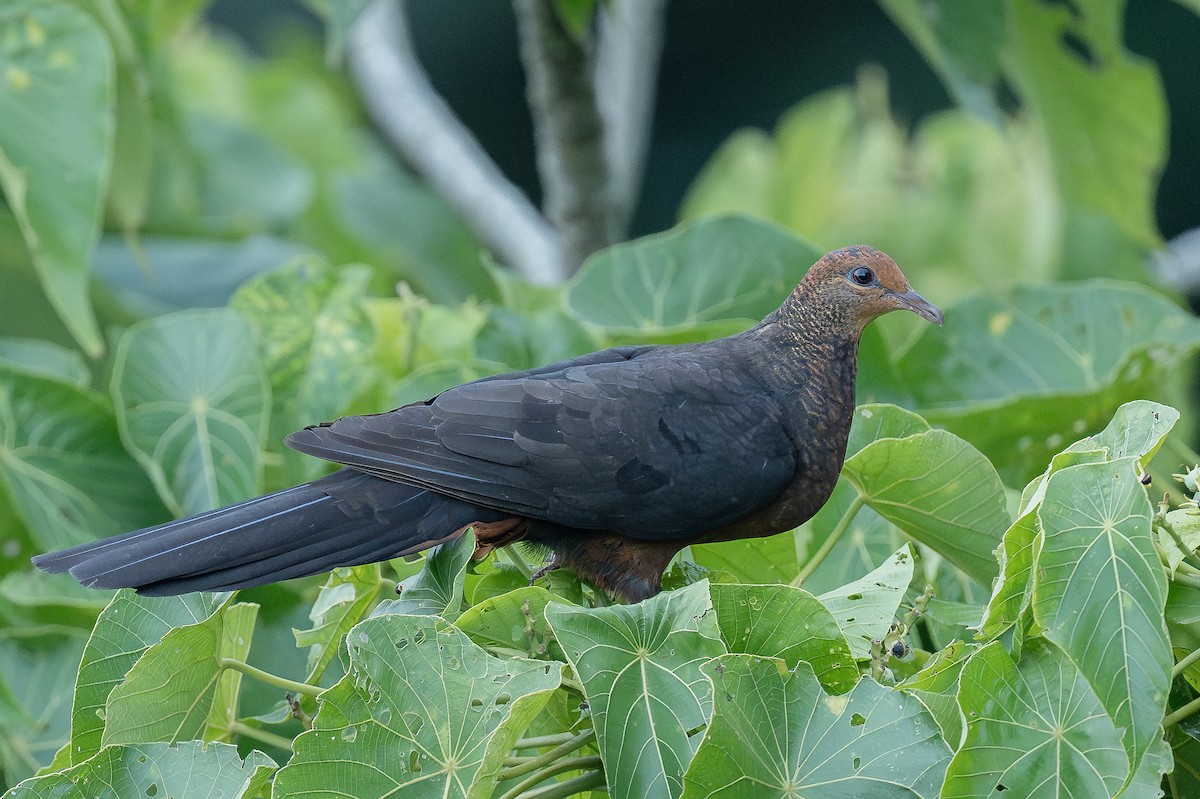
547	567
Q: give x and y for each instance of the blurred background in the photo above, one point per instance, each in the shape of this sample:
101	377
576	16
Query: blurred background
724	69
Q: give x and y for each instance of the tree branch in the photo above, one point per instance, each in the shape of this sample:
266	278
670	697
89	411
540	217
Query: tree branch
631	36
567	130
425	131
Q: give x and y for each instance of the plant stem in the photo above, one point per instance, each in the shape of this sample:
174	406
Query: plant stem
518	560
561	790
419	123
1190	580
270	679
1183	665
827	545
1182	713
544	740
568	746
262	736
568	131
569	764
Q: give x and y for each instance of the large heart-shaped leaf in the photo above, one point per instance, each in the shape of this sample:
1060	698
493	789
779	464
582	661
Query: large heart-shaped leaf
1101	592
193	403
190	770
422	712
640	668
1033	727
437	589
774	733
56	132
684	278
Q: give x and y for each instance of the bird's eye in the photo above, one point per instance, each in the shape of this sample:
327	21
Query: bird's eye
862	276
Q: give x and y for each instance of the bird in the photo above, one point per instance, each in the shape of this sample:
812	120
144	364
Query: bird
611	462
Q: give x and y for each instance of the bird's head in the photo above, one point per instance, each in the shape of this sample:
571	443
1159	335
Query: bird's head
854	285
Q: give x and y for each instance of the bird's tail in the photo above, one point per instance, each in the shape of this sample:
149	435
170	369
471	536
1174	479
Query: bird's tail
344	519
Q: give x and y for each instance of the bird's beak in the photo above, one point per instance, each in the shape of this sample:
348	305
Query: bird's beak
912	301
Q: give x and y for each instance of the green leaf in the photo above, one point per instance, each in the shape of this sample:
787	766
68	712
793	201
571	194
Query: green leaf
576	16
192	403
1101	593
422	712
237	631
343	601
640	668
56	135
874	421
190	770
962	42
1137	430
37	671
317	346
938	489
514	621
41	358
774	733
167	274
413	229
866	608
682	279
778	621
32	597
1032	727
770	559
869	540
63	466
129	626
168	693
436	590
1101	111
1011	372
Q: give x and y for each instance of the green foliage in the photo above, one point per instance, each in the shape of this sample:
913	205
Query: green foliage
257	278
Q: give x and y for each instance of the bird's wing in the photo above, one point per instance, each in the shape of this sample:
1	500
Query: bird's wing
651	447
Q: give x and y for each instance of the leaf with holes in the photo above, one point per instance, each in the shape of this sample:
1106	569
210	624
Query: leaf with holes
866	608
681	279
640	668
192	402
422	712
787	623
1033	727
775	733
343	601
1101	593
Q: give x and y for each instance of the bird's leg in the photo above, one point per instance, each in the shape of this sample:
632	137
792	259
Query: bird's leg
489	535
547	567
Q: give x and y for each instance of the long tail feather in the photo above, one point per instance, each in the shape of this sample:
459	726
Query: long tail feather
345	519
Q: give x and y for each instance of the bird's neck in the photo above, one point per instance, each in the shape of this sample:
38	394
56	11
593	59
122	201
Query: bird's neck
813	368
